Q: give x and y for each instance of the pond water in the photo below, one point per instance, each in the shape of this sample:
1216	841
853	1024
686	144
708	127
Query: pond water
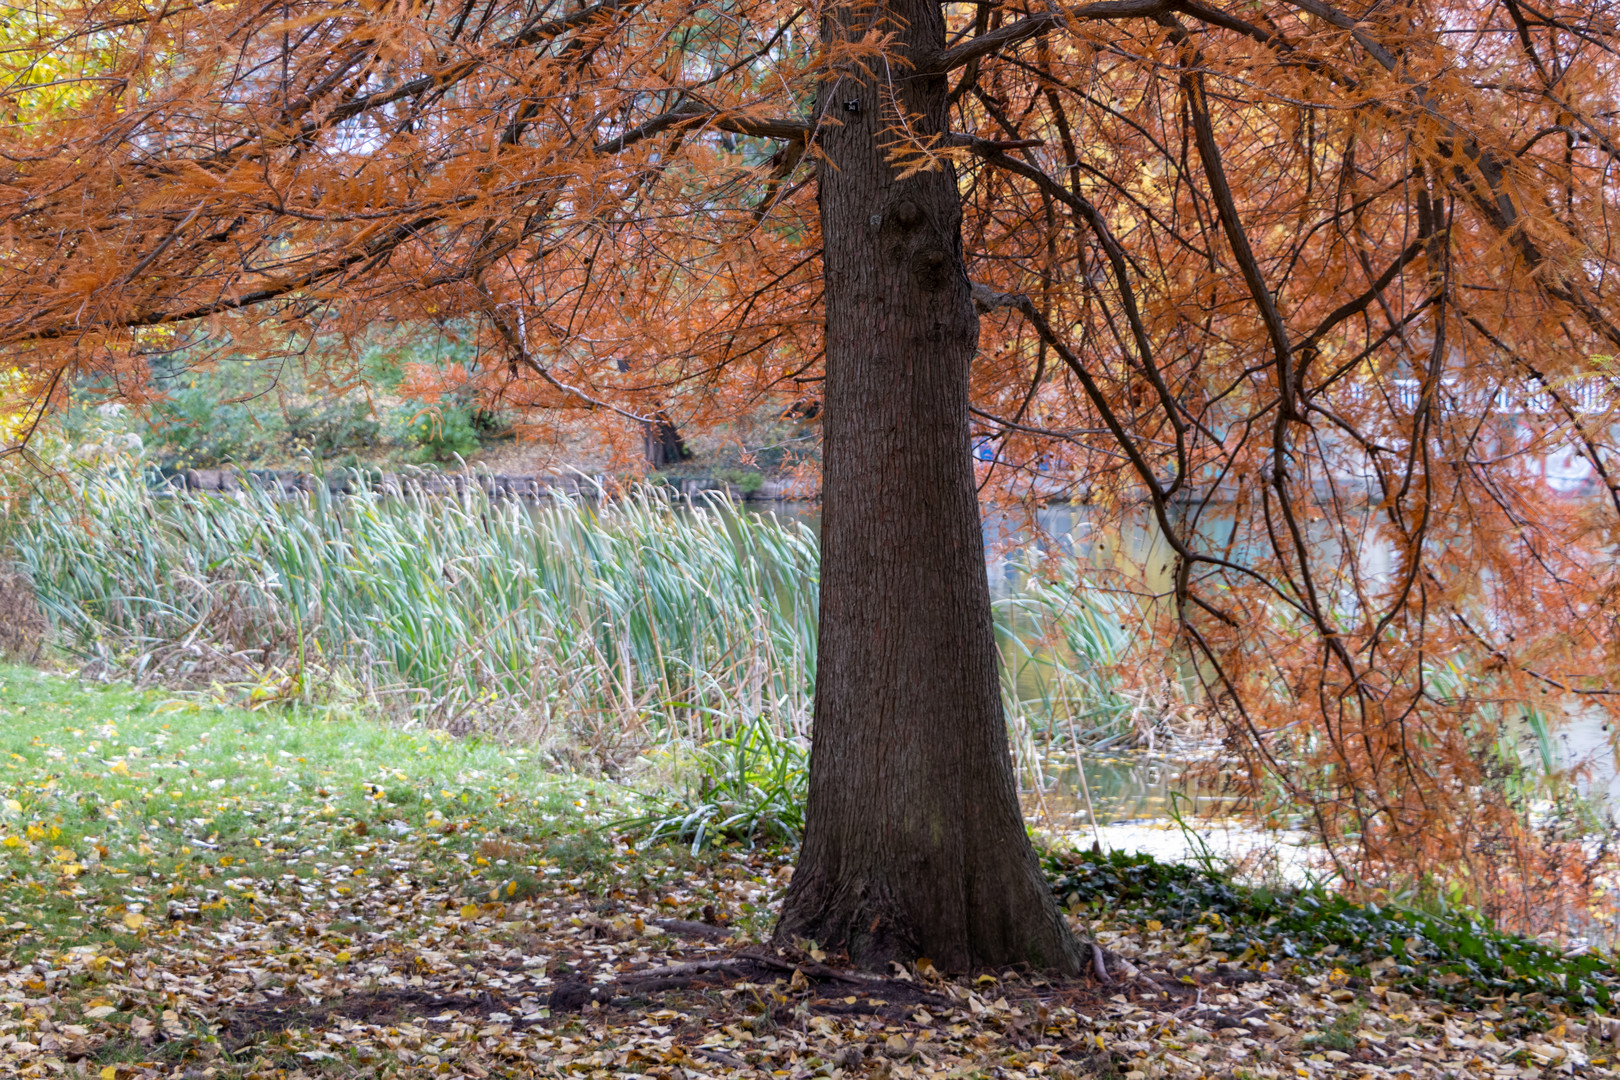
1175	810
1121	798
1175	802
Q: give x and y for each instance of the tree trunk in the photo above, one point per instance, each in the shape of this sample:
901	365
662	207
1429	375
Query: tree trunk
914	842
662	441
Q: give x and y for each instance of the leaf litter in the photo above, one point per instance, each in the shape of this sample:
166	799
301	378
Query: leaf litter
469	918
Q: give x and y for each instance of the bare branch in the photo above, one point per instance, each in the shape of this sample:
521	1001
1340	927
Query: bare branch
1012	33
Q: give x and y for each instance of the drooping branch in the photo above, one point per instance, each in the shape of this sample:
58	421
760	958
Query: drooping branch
1494	200
993	153
1209	154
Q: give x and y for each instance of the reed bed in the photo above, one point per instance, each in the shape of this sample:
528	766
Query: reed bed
613	625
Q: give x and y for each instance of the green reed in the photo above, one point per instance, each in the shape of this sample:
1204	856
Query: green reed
617	622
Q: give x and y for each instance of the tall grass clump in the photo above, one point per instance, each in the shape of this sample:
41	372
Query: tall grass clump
616	620
1059	646
748	786
611	624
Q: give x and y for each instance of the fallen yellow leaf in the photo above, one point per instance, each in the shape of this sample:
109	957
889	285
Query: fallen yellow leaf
134	920
469	911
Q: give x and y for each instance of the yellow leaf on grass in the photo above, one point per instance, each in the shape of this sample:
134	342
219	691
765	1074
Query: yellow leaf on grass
134	920
342	957
118	768
1154	926
469	911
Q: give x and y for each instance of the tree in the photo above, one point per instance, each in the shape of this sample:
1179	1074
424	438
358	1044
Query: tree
914	841
1297	282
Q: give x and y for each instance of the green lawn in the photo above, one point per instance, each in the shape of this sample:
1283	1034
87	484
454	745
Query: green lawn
188	886
119	807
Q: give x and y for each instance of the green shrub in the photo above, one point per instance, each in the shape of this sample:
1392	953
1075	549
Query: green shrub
748	480
328	429
193	428
246	411
749	787
443	432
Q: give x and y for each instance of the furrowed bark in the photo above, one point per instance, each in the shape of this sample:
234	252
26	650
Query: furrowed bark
915	843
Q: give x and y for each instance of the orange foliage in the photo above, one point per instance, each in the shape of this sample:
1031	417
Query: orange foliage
1299	282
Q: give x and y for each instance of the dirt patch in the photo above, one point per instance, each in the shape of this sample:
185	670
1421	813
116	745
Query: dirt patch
243	1026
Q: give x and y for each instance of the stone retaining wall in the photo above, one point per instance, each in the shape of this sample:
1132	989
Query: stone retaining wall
494	485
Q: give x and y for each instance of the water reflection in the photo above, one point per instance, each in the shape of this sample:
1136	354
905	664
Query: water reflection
1133	787
1173	810
1177	805
1123	787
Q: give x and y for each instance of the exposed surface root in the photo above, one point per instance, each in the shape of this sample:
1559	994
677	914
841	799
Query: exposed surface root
748	966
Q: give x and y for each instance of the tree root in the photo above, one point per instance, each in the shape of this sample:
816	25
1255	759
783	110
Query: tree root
688	928
1099	965
576	991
